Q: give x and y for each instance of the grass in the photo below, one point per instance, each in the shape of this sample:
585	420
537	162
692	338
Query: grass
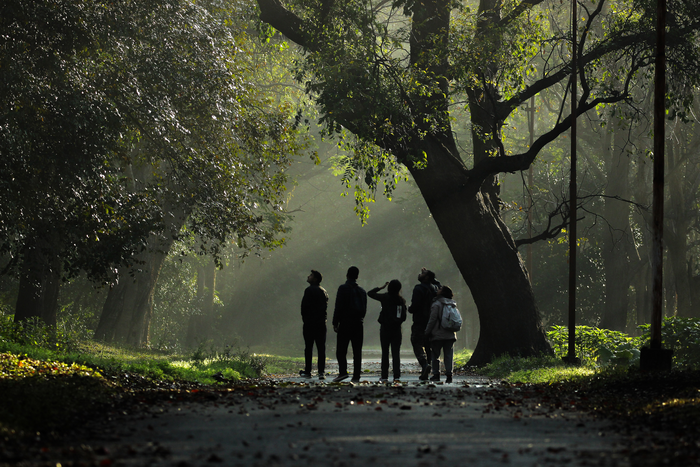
544	369
461	357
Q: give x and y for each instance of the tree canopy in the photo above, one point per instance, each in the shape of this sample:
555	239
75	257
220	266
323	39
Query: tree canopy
115	113
398	75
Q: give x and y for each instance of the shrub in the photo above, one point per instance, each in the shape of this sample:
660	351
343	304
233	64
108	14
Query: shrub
35	333
680	334
595	345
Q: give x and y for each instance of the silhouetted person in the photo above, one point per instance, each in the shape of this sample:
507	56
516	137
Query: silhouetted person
423	295
350	310
441	339
391	316
313	312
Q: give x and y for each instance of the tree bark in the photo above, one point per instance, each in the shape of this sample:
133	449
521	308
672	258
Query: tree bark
39	283
126	315
618	235
485	253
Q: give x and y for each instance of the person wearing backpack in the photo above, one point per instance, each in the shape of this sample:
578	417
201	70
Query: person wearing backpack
441	339
349	313
423	295
392	314
313	314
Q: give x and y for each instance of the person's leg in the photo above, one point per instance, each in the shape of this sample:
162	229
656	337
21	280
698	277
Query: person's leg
448	350
321	349
428	351
418	344
435	347
396	353
341	351
384	341
357	337
308	347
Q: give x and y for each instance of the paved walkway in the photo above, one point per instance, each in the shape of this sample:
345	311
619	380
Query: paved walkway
294	421
371	371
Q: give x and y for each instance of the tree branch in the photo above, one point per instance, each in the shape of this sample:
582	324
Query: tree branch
521	8
276	15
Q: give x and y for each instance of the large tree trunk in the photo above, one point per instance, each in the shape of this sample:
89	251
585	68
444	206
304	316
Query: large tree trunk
126	315
485	253
39	283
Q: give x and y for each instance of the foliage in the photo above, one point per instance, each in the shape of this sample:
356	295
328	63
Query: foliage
43	395
114	362
14	366
595	345
35	333
598	349
46	389
111	112
682	335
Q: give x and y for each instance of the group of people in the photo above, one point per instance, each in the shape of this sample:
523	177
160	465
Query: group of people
428	337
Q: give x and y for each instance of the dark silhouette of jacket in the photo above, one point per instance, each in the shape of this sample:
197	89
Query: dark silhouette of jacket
314	305
350	305
422	298
388	314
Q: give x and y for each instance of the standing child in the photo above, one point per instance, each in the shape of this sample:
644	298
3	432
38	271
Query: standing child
391	316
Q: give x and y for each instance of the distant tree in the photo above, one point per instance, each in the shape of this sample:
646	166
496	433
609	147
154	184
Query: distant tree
390	72
62	204
224	178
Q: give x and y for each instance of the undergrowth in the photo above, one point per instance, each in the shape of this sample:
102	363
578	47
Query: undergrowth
48	378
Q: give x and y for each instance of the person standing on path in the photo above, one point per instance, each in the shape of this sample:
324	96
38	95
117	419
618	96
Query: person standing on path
349	313
441	339
392	314
314	307
423	295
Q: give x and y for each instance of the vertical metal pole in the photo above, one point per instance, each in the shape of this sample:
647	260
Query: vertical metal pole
531	128
658	195
571	356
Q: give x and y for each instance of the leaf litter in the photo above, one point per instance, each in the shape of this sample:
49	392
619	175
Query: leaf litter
655	414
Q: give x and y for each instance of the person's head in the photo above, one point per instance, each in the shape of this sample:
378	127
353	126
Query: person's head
427	276
394	287
315	277
353	273
445	291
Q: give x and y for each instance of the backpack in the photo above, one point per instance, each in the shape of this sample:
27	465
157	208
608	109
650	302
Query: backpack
399	316
451	319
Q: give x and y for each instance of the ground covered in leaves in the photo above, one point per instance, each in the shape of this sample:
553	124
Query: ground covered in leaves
657	412
46	410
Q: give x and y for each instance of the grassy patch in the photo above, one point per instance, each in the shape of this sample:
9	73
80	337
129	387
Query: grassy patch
461	358
544	369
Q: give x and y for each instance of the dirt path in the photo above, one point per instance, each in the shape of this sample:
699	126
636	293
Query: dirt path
296	421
